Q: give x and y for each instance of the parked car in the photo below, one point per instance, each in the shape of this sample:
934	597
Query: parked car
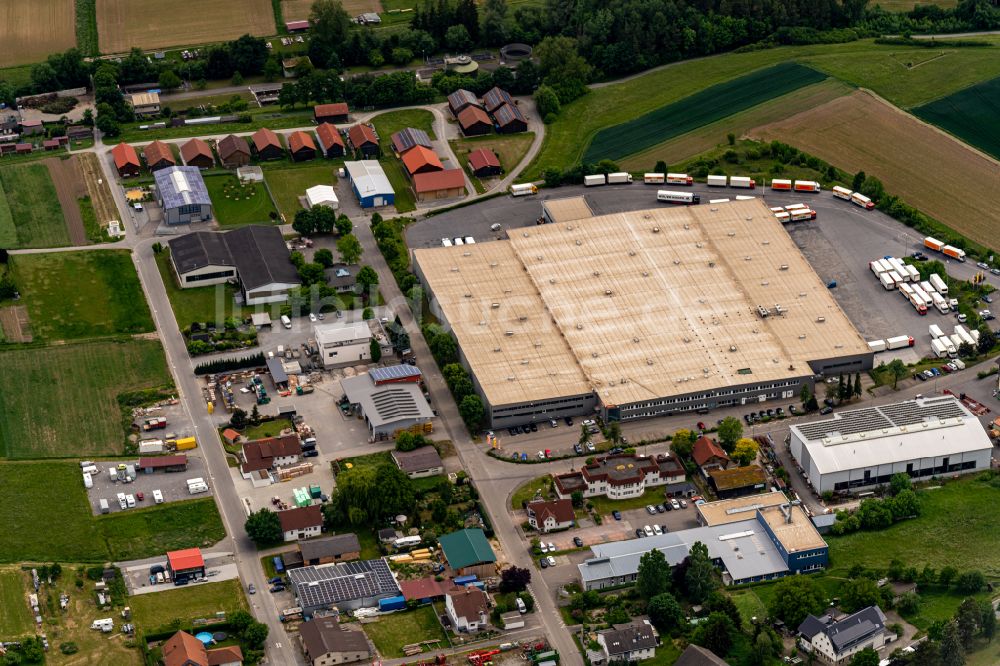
568	420
551	560
647	530
617	515
578	542
251	589
983	264
310	454
277	588
675	504
684	503
934	371
139	496
920	376
543	562
552	547
927	374
277	580
639	533
590	447
553	423
312	317
650	509
945	369
826	410
657	530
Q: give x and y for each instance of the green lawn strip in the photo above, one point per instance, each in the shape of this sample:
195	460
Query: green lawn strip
705	106
15	616
604	506
404	199
84	294
288	184
969	114
8	230
749	605
157	610
198	304
86	27
267	429
528	490
234	204
90	224
394	631
62	401
369	544
258	118
136	534
31	196
367	460
387	124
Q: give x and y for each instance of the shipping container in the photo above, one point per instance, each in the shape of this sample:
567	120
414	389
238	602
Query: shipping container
392	604
877	346
939	285
806	186
686	198
523	190
841	192
185	443
933	244
595	179
679	179
716	181
899	341
619	178
781	184
654	178
742	181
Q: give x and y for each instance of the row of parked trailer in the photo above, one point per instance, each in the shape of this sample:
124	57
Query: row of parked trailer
896	342
793	213
943	248
947	345
893	274
855	198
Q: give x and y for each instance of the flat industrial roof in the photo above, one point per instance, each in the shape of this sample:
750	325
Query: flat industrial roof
740	508
638	305
794	530
567	209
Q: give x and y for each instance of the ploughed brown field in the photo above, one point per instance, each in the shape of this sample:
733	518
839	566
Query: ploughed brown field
148	24
32	29
925	167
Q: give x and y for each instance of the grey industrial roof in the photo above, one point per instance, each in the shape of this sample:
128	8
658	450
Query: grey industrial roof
322	635
330	546
278	373
875	419
394	372
181	186
386	404
368	177
199	249
261	256
345	581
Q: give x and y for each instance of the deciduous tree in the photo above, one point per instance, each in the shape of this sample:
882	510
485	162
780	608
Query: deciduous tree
653	577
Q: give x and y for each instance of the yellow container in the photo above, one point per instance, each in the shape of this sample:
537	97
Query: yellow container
186	443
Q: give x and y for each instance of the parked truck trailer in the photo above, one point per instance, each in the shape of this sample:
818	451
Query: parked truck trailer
742	181
939	285
781	184
877	346
686	198
619	178
594	180
935	331
939	348
654	178
842	192
933	244
806	186
859	199
523	190
679	179
716	181
899	342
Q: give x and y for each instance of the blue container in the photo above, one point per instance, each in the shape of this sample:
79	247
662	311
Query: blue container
465	580
392	603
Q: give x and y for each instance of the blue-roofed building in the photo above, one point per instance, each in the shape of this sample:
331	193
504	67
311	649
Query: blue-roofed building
370	184
182	194
395	374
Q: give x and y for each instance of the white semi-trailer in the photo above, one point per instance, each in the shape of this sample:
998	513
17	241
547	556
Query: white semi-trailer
654	178
859	199
806	186
742	181
841	192
939	285
939	347
899	341
717	181
668	196
877	346
935	331
619	178
595	179
886	281
679	179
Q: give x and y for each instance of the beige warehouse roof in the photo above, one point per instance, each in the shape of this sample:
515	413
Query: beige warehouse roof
567	209
646	304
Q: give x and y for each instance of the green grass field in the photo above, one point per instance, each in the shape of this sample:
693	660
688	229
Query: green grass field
287	184
392	632
15	616
44	506
34	210
700	109
387	124
969	114
89	294
888	70
190	602
201	304
404	200
234	204
62	401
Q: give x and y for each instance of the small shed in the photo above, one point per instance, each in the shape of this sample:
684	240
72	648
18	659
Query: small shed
233	151
484	163
510	120
331	113
364	140
301	146
322	195
197	153
158	156
460	100
266	145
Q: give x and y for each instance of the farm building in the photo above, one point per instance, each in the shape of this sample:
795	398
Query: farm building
182	194
781	537
423	590
267	145
326	642
145	104
24	148
484	163
233	151
197	153
396	374
158	156
510	120
186	564
737	481
468	552
256	256
330	113
421	160
370	183
410	137
183	649
495	98
460	100
301	146
336	548
330	140
346	585
32	127
301	522
176	463
296	26
419	463
445	184
50	144
859	449
342	343
322	195
269	453
575	339
387	409
126	160
474	122
364	141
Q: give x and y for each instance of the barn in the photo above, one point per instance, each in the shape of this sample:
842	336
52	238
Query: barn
126	160
267	145
364	140
510	119
301	146
474	121
446	184
158	156
330	141
484	163
197	153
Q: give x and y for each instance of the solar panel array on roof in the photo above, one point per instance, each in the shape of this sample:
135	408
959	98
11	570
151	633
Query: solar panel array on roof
871	419
393	372
346	581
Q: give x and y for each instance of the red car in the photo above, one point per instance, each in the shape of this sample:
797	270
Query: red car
140	496
945	369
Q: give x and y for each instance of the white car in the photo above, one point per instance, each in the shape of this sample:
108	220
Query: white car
551	560
591	447
674	503
657	529
542	547
648	530
312	317
552	547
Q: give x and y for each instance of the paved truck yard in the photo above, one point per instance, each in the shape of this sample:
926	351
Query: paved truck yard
173	485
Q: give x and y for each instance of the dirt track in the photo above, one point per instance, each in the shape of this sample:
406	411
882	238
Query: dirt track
69	188
14	322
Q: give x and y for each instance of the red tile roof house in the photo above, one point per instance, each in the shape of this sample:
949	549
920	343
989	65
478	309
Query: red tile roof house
708	455
261	455
301	146
331	113
183	649
421	160
468	608
126	160
547	516
474	121
197	153
619	477
158	156
446	184
364	140
302	522
330	140
266	145
484	163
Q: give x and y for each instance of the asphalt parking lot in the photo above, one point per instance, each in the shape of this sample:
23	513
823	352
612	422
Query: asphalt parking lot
173	485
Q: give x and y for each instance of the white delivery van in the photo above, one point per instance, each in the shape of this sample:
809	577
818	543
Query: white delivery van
157	497
285	321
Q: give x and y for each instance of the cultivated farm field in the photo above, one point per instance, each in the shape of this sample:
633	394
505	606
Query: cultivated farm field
30	214
705	106
971	115
149	24
62	401
925	167
298	10
30	31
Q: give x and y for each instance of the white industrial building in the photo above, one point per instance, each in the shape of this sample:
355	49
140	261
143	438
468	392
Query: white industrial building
860	449
343	343
322	195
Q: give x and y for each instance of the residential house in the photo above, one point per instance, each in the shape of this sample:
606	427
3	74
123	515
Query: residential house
336	548
418	463
267	145
301	146
341	278
145	104
835	642
269	453
331	113
330	141
158	156
473	121
460	100
364	141
510	120
708	455
233	151
695	655
421	160
183	649
187	564
325	642
342	343
446	184
181	193
628	642
549	515
197	153
468	608
483	163
301	522
468	552
620	476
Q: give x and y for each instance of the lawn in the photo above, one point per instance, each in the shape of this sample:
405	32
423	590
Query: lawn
31	216
190	602
267	117
749	605
394	631
62	402
198	304
15	616
509	149
234	204
604	506
404	200
267	429
970	115
38	528
89	294
528	490
387	124
289	183
958	527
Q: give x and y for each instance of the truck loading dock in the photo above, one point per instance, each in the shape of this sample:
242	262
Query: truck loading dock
639	314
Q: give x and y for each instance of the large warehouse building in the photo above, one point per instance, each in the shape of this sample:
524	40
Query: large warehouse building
639	314
855	451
